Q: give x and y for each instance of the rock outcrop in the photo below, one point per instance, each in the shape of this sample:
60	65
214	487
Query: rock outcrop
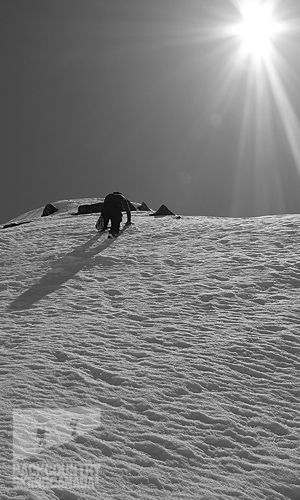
143	207
49	210
90	209
14	224
163	210
132	206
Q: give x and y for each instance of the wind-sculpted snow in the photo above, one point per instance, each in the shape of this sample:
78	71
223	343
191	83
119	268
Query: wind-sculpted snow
183	335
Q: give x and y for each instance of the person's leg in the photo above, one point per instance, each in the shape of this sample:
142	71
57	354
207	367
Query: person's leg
115	223
105	220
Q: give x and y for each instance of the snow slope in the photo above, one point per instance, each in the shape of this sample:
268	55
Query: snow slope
64	207
181	338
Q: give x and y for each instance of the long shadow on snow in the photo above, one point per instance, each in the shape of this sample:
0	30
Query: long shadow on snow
62	270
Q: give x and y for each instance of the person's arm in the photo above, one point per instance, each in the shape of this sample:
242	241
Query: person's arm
126	206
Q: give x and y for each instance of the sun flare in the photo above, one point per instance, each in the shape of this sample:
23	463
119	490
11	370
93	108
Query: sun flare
257	29
261	42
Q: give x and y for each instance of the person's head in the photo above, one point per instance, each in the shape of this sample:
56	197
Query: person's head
117	192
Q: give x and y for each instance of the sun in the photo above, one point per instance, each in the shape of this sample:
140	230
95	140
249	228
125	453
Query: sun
257	29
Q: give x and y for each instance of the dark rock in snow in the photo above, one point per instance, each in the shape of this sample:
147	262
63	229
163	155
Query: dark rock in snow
49	210
143	207
90	209
132	207
163	210
14	224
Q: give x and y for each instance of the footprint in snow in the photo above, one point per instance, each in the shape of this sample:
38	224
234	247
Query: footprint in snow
61	356
112	292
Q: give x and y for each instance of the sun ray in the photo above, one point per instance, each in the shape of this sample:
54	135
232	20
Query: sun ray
287	113
243	172
269	84
254	87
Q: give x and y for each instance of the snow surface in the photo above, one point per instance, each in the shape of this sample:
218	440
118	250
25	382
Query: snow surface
63	206
181	338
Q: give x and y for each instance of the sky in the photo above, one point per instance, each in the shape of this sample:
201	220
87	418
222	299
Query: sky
154	98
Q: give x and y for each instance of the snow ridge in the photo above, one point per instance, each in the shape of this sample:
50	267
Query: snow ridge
183	334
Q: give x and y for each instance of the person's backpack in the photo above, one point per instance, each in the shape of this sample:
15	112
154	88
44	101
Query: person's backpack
113	202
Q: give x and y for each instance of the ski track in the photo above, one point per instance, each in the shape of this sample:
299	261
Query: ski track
182	333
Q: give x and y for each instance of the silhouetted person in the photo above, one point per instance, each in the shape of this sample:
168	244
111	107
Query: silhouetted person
114	204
